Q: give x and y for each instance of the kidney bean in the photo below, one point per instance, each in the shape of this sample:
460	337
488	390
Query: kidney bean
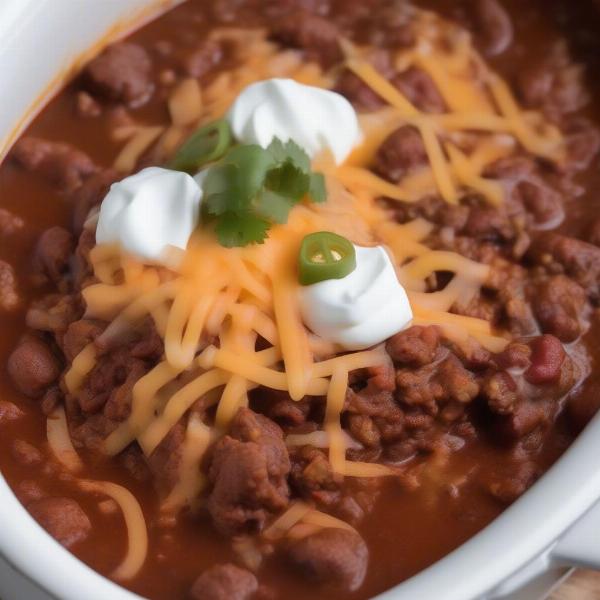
547	357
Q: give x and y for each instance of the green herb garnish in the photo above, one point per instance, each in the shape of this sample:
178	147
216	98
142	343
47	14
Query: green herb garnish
251	188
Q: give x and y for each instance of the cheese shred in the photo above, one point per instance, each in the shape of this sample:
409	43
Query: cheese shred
137	533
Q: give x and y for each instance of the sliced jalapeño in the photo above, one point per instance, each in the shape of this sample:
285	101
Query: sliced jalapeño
206	145
325	255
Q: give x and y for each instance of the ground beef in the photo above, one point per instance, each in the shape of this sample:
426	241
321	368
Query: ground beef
52	398
517	354
527	415
432	386
109	374
224	582
512	168
487	223
29	490
374	403
401	153
32	366
148	344
317	36
26	454
320	7
416	346
553	83
248	473
533	195
577	259
62	518
134	461
312	472
278	405
499	390
81	266
542	202
333	556
53	313
60	163
364	430
204	59
493	26
583	143
88	431
371	401
78	335
165	460
434	209
358	92
249	426
382	376
118	405
510	303
9	296
9	412
420	89
390	26
558	304
52	253
122	73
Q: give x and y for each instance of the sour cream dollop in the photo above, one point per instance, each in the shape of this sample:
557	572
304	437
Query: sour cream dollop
316	119
362	309
150	211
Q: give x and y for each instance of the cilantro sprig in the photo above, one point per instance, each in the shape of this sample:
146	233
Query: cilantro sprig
251	188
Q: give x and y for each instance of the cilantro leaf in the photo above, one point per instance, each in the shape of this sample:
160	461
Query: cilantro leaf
273	206
251	188
290	152
216	187
248	168
277	150
288	180
317	188
241	229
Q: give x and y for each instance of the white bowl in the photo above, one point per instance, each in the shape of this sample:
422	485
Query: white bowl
519	556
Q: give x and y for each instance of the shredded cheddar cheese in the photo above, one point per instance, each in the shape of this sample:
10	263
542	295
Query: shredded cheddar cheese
137	533
59	440
479	101
191	480
135	147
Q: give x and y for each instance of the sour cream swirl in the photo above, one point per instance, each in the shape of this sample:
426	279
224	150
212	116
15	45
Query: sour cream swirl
316	119
362	309
149	212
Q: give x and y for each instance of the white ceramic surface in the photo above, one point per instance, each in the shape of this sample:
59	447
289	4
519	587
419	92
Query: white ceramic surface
519	556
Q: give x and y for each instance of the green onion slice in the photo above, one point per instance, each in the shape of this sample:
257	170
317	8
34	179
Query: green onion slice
207	144
325	255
